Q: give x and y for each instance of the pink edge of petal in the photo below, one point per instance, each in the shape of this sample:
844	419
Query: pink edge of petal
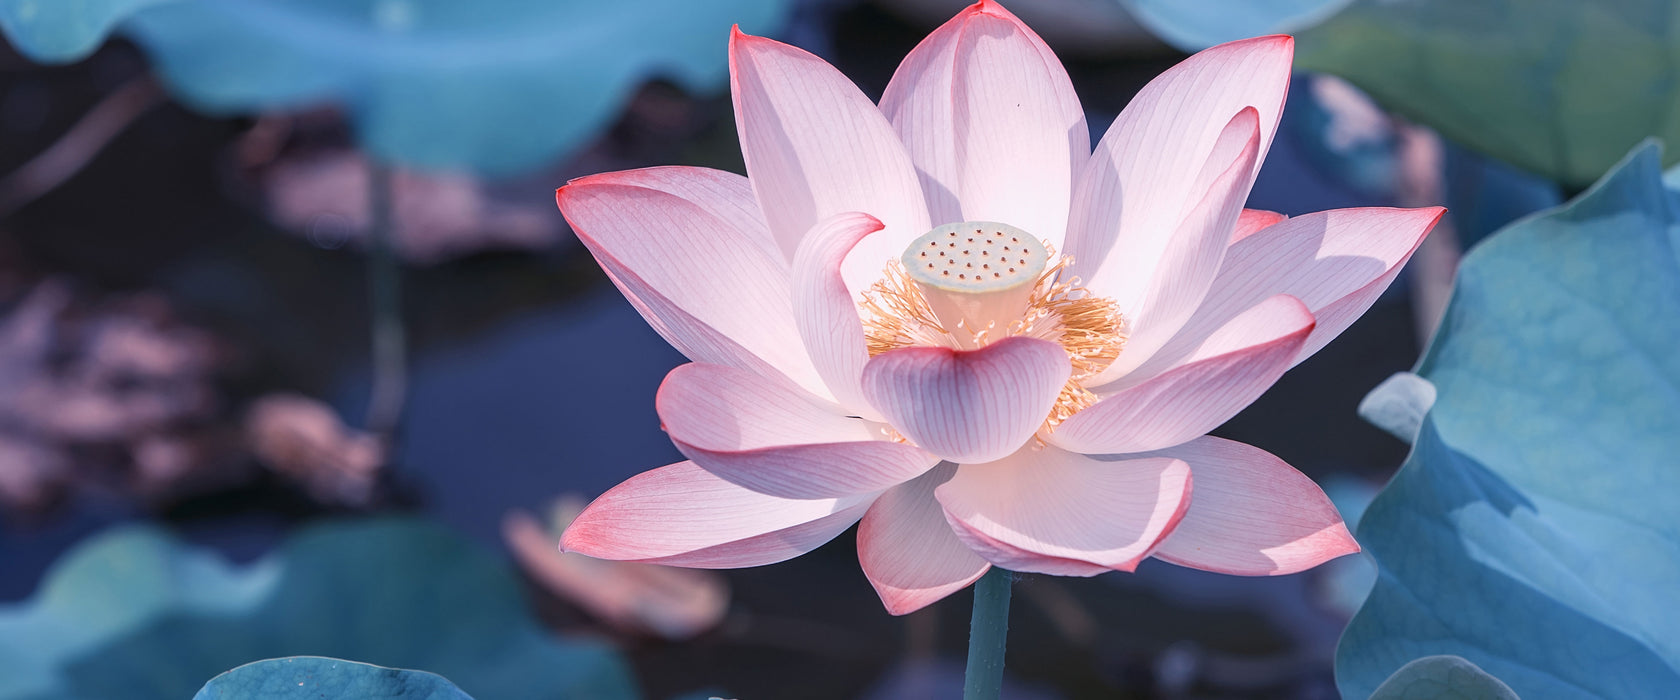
1365	296
1191	255
1251	221
1095	236
1173	523
900	600
1330	543
1261	509
727	325
1287	269
890	189
600	531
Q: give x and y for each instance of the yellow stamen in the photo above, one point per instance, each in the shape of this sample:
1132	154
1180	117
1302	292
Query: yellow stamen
896	314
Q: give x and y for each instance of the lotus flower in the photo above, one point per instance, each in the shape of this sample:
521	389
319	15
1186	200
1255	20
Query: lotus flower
947	317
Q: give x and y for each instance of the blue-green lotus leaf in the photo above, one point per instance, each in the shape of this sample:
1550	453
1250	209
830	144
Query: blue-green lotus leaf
136	614
494	86
316	677
61	31
1193	26
1534	528
1442	678
1561	88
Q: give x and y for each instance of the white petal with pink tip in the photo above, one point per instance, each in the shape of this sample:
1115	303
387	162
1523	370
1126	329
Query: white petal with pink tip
777	440
1253	515
683	515
992	123
701	270
1184	267
816	147
908	551
1141	182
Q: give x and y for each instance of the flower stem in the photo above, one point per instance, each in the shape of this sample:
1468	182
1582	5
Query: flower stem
390	362
988	631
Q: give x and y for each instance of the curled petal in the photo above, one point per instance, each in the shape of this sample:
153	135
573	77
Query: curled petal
1052	511
1229	371
992	123
968	406
683	515
815	146
908	550
1253	515
686	247
775	439
825	311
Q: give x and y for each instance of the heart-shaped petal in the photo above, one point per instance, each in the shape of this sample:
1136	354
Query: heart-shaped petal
968	406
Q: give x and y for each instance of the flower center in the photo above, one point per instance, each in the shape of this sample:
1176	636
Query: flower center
975	276
968	284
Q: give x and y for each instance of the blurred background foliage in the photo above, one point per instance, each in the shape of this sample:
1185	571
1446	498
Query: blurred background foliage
196	197
135	613
489	87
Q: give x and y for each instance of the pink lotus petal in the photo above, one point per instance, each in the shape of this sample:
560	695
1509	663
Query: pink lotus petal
825	311
631	597
1052	511
1336	262
815	146
683	246
968	406
1140	183
1252	220
776	439
1253	514
683	515
1187	264
909	552
1226	373
689	335
992	123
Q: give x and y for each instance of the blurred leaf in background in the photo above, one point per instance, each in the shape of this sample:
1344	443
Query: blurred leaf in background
62	31
135	613
1443	677
494	87
1533	529
315	677
1193	26
1554	87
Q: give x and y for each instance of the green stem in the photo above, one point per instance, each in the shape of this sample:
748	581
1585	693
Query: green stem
988	631
390	352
